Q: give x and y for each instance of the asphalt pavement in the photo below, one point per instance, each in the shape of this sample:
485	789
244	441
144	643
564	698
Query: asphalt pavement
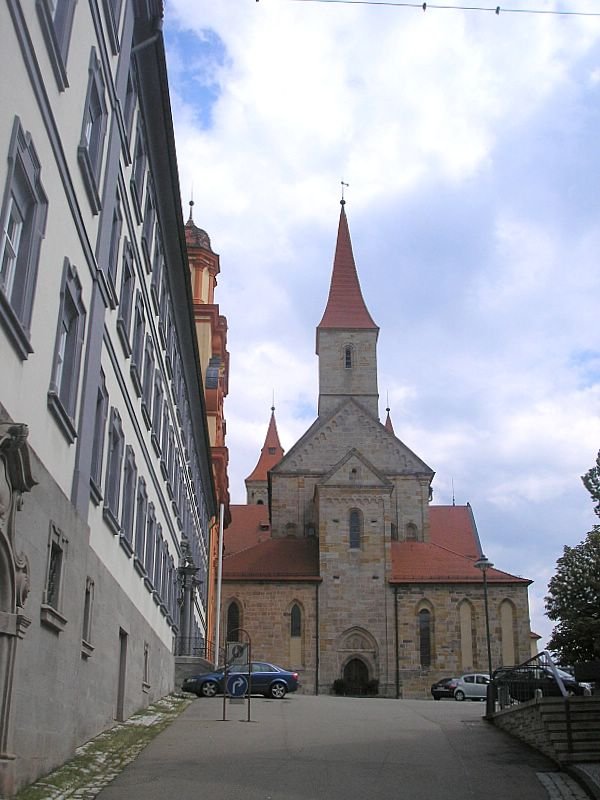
330	748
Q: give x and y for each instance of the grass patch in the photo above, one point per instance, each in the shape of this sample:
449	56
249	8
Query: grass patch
100	760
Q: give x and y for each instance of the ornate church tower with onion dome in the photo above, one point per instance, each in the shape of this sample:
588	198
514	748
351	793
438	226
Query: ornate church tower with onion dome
351	576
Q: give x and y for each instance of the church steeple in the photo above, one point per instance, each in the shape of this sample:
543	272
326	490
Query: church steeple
346	335
270	455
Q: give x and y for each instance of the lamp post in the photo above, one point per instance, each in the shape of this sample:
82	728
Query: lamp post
483	563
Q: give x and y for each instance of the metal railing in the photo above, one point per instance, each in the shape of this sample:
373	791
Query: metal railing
195	646
537	677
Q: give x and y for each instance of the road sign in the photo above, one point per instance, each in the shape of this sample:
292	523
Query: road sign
237	685
237	653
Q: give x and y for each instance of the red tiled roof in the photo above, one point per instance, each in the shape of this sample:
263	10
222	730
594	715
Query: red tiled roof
449	556
271	453
275	559
345	305
249	525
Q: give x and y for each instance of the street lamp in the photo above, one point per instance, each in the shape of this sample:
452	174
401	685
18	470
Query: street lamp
483	563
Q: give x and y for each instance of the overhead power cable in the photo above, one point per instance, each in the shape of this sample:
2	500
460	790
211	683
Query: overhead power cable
425	6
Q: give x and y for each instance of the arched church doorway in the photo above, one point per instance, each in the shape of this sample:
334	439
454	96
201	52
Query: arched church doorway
356	676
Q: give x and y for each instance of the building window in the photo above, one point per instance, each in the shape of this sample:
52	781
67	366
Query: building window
138	172
152	531
348	357
467	635
129	500
51	612
116	445
355	528
62	394
234	618
146	670
137	353
141	511
56	21
425	637
93	131
113	251
157	405
412	532
126	298
112	14
507	630
157	271
98	443
148	226
295	621
130	102
24	211
148	381
86	631
394	532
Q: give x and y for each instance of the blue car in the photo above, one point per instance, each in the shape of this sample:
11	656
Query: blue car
267	679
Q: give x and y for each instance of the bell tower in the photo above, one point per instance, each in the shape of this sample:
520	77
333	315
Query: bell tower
346	336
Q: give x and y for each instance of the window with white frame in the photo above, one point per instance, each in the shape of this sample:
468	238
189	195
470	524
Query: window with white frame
62	394
113	251
153	533
56	22
98	443
141	511
52	605
23	223
112	14
130	102
138	172
114	462
93	130
148	383
148	225
129	500
86	629
157	404
137	352
126	298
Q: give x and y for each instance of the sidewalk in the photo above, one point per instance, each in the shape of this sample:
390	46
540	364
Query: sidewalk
98	762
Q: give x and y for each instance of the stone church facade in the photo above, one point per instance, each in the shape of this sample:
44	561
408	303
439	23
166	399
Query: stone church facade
339	566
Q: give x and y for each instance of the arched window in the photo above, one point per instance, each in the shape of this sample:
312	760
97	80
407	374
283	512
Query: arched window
411	532
394	532
424	623
233	621
295	621
348	357
355	528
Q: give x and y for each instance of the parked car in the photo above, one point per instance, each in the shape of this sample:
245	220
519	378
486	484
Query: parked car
472	686
267	679
522	682
443	688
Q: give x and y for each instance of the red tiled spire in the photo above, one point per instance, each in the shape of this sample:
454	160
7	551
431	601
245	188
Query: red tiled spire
271	453
345	305
388	422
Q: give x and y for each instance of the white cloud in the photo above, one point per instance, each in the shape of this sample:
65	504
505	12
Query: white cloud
470	145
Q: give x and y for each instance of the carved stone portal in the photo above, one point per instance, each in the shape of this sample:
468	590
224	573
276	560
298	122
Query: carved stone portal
15	479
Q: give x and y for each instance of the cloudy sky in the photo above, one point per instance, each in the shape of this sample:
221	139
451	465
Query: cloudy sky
470	143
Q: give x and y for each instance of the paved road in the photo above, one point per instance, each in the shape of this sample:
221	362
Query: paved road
327	748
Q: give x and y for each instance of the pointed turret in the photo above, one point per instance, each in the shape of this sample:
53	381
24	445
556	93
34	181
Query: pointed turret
345	307
346	335
388	422
270	455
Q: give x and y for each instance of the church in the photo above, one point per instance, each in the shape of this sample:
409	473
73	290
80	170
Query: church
339	566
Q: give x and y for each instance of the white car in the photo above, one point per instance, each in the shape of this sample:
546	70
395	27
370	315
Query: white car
472	686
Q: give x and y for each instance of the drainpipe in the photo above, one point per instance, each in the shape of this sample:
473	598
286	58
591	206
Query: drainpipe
396	643
317	638
219	580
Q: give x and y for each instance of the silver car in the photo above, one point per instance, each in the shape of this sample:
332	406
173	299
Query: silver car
472	686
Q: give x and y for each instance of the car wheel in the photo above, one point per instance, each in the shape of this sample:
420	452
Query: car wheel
459	695
209	689
278	690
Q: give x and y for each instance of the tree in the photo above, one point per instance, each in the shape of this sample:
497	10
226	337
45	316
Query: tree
573	598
